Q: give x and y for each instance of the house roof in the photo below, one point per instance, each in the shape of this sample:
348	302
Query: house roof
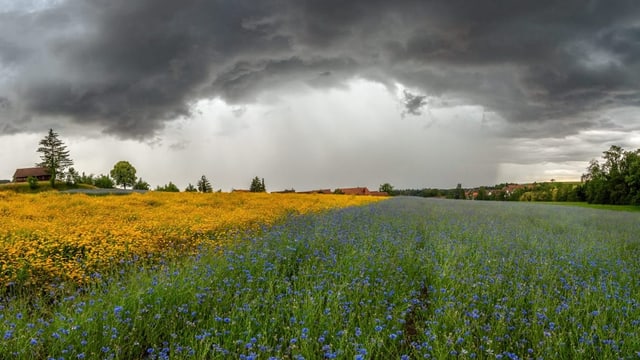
355	191
26	172
319	191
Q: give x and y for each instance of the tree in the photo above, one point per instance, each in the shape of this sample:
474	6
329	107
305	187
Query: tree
55	156
386	187
72	176
616	180
190	188
257	185
482	194
86	179
141	185
459	193
204	185
170	187
124	174
103	182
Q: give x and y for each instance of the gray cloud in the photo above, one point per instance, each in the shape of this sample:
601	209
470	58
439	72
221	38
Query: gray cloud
128	67
413	103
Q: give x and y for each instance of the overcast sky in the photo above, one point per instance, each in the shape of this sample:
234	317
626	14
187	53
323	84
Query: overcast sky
321	94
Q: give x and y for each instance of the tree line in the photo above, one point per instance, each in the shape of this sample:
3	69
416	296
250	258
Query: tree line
615	180
56	159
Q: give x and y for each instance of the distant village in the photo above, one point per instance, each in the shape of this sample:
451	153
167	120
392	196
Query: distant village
345	191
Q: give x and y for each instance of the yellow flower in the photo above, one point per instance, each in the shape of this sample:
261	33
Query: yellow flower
50	237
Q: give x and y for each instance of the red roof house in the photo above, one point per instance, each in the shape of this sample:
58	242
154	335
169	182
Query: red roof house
354	191
39	173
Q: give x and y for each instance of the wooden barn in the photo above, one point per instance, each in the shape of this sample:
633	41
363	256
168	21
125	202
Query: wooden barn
39	173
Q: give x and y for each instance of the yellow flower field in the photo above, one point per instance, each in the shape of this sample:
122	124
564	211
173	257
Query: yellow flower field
52	237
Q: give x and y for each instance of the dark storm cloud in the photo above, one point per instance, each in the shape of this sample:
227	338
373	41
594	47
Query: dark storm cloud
247	79
130	66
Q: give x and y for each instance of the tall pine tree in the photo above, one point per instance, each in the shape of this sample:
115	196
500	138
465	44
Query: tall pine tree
257	185
55	156
204	185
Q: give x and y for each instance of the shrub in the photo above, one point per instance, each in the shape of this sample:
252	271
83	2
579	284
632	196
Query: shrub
33	182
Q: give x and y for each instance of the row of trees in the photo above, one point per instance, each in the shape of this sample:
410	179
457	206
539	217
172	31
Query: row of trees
551	191
616	180
57	160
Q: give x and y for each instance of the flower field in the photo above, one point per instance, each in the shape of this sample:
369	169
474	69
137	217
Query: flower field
54	238
406	278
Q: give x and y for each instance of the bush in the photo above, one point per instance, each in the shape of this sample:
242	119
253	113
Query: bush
33	182
103	182
170	187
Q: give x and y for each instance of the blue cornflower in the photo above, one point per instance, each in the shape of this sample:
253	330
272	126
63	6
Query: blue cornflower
512	356
33	341
117	310
8	334
330	355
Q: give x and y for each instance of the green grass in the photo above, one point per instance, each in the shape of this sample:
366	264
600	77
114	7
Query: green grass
43	186
631	208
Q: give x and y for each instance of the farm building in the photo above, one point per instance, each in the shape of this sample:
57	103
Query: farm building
39	173
320	191
354	191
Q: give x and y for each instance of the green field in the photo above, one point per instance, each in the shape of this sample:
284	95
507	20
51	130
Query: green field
632	208
407	278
